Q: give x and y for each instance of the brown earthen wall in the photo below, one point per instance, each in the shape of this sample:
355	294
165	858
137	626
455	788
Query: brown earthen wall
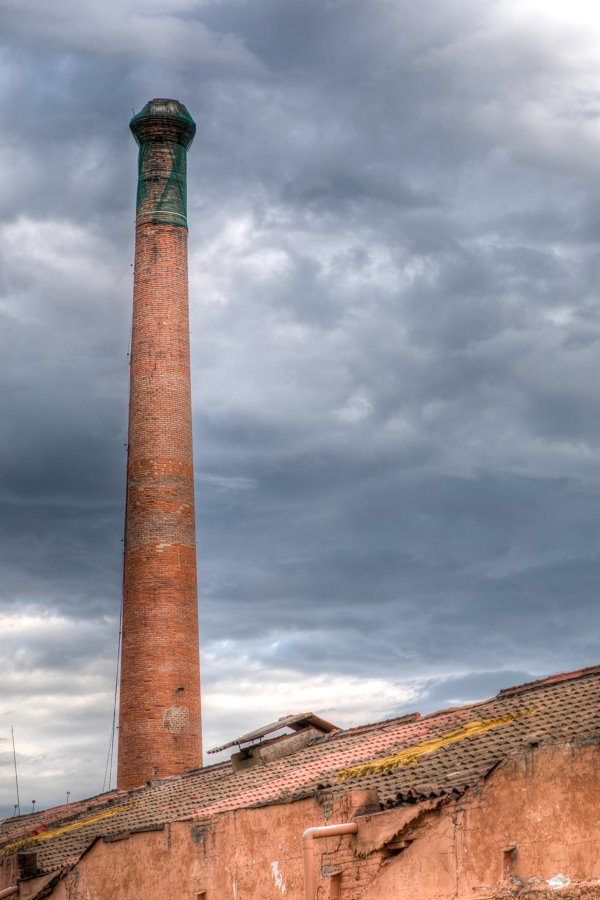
544	802
159	724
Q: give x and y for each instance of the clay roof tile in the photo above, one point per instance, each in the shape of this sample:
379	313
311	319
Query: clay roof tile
405	759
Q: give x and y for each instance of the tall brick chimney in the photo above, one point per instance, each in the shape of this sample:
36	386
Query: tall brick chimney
159	721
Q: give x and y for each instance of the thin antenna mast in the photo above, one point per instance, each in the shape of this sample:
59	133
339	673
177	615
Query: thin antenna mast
12	731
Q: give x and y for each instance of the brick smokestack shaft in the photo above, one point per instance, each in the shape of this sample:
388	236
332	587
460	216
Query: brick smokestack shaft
159	720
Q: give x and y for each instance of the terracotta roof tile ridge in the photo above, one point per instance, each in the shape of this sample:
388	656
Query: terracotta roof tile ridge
94	800
358	729
550	680
520	688
56	816
159	782
453	709
27	821
209	768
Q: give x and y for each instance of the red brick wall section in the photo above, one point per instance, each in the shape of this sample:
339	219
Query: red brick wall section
159	722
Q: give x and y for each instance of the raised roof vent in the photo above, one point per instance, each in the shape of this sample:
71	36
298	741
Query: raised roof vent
305	728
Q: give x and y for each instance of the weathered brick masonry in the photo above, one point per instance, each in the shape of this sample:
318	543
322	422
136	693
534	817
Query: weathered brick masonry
159	723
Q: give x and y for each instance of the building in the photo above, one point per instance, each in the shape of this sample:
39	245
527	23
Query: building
497	799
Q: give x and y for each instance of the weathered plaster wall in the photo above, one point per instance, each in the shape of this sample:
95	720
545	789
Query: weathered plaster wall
544	802
249	853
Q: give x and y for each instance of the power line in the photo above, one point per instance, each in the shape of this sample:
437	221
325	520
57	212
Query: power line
12	731
111	745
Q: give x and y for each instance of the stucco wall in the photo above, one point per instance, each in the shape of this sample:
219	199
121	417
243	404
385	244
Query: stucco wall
544	802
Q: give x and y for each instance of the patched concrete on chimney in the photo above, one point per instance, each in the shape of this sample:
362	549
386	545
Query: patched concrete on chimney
177	719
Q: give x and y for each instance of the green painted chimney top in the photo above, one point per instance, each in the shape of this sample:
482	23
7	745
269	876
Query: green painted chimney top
164	131
164	120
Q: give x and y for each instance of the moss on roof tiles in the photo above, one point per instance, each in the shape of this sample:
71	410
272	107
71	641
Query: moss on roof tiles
572	703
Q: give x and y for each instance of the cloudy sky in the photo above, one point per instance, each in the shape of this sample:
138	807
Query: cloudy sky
394	215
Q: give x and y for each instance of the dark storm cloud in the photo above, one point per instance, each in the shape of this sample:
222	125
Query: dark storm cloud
395	326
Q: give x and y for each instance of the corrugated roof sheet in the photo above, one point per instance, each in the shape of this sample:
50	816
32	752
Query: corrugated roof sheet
405	759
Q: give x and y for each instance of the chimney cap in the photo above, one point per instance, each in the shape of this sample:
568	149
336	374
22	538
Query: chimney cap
163	120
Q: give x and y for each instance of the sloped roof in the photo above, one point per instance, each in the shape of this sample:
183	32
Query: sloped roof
405	759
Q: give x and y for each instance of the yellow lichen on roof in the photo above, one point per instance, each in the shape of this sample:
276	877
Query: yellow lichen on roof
46	835
410	757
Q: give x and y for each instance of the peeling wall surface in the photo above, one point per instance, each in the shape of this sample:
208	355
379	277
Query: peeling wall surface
530	828
496	799
531	821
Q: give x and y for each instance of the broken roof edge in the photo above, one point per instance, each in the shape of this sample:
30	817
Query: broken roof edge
28	821
550	679
301	720
501	695
333	731
504	693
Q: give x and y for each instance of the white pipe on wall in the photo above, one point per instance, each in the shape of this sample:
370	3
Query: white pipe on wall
308	848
